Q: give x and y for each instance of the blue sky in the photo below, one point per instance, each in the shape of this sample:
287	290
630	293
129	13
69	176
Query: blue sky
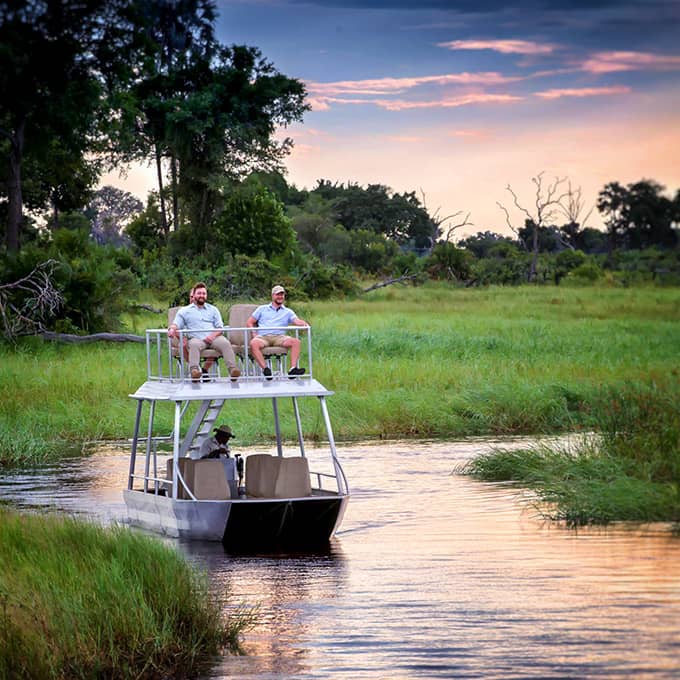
459	99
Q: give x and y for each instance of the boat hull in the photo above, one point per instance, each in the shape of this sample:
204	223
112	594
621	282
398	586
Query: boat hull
243	524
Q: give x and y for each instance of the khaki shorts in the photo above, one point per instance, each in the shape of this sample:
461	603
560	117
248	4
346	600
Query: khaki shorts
273	340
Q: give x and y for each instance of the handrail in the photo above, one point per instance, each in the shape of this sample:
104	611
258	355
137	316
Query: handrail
165	359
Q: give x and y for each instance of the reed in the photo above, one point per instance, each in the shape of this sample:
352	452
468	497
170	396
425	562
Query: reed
82	601
630	471
433	361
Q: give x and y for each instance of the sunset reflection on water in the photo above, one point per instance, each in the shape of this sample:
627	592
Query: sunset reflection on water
431	575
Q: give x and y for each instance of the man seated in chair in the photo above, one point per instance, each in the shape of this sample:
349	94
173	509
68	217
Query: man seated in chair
274	317
196	318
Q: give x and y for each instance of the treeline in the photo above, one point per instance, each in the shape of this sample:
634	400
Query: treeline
329	241
87	87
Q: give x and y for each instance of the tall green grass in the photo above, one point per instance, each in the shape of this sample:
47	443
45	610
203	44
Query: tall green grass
81	601
433	361
630	471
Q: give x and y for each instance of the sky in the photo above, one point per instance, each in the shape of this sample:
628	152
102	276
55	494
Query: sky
459	100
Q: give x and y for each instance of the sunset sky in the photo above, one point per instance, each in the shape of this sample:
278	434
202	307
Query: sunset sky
459	99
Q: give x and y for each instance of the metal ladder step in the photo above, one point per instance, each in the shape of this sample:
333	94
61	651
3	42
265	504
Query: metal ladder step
201	425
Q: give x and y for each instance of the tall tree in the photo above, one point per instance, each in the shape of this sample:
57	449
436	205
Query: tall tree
550	203
56	60
639	215
203	111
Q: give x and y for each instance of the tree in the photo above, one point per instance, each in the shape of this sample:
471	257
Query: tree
549	204
399	217
252	222
449	262
110	211
638	215
480	243
204	110
56	61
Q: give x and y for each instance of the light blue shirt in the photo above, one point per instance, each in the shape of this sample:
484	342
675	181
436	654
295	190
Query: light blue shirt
266	316
192	318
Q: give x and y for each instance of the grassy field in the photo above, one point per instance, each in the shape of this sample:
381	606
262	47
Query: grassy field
80	601
433	361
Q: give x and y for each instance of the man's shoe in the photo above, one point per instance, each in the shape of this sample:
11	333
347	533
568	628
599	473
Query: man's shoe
295	372
234	374
206	375
267	372
196	373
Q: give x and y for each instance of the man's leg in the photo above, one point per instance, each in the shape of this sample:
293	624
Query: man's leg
293	344
256	346
223	346
195	347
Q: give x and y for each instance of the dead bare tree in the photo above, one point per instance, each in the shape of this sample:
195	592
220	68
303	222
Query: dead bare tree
439	221
548	204
27	303
572	207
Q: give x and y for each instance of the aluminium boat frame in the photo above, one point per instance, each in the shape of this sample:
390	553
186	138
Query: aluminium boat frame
273	516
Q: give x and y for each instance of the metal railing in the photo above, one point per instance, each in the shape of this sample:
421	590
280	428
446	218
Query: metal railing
166	361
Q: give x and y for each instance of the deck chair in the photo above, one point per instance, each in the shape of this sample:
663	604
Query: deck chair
239	339
262	471
293	478
174	344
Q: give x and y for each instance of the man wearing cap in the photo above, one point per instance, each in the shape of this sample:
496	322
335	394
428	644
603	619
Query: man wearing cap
273	318
216	446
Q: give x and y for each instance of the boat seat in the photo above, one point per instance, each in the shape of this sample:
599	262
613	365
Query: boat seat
261	472
239	339
270	476
293	478
211	479
174	343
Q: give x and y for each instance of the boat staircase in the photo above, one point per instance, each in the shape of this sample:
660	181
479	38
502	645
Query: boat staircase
201	426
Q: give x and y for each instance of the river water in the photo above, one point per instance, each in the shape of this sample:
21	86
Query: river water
432	575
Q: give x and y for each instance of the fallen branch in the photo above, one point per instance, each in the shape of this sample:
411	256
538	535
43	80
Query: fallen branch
95	337
148	308
389	282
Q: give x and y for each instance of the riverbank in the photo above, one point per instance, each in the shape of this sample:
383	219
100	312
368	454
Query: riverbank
433	361
82	601
629	471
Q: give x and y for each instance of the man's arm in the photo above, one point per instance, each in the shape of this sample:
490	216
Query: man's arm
252	322
174	326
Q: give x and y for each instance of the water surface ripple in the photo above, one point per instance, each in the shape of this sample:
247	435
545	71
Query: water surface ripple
432	575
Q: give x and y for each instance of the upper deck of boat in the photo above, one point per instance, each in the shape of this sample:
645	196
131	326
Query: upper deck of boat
224	388
168	379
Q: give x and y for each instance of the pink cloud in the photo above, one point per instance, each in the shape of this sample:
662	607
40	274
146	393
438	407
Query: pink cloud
609	62
504	46
392	85
318	103
583	92
451	102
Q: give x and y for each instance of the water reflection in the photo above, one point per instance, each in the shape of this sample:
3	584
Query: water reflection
432	575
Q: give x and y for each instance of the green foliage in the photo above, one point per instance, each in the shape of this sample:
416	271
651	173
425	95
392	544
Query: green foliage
629	471
81	601
584	274
638	215
447	262
251	222
95	281
505	265
566	261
